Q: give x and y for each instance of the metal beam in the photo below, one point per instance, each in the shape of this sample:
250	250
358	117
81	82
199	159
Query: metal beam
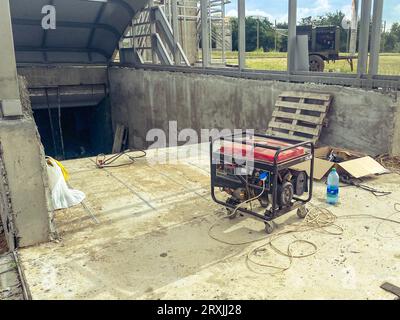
354	27
175	31
60	49
376	34
204	33
122	4
164	28
153	31
44	37
364	36
161	51
69	24
242	33
292	33
342	79
93	28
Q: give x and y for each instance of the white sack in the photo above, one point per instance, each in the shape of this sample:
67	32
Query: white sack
62	197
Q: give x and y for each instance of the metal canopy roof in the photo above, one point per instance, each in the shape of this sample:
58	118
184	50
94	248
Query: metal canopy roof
87	31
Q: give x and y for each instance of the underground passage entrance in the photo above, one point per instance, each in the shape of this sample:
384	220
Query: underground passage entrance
76	131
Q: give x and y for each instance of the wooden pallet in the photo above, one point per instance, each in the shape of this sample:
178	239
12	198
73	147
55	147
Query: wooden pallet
299	116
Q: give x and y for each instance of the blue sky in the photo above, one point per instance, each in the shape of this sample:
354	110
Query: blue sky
277	9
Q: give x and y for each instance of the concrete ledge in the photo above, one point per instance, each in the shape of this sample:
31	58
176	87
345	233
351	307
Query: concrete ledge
11	108
49	76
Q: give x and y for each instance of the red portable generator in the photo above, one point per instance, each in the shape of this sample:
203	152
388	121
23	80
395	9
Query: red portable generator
259	167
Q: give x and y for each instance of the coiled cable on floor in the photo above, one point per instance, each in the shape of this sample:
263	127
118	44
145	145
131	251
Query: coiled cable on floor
319	219
103	162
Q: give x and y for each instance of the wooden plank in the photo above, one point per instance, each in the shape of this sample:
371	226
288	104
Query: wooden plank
118	138
295	128
289	136
306	95
287	115
302	106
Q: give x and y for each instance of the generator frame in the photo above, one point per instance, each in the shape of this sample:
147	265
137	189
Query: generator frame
274	168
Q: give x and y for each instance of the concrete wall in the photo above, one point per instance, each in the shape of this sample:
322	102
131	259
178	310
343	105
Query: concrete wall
396	135
24	192
360	120
24	165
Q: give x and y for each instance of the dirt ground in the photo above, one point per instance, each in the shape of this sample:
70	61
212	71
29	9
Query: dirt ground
143	233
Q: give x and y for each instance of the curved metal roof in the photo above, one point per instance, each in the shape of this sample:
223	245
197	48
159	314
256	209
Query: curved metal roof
87	31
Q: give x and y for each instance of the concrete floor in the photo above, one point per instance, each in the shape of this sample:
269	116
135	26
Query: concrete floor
152	242
10	283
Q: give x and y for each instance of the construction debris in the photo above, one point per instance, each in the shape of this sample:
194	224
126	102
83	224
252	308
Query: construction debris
348	163
391	163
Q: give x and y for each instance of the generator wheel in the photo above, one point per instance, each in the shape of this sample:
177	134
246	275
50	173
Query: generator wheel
302	212
285	194
317	64
269	227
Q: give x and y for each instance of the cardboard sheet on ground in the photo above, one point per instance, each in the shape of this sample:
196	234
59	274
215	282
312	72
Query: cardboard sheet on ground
356	168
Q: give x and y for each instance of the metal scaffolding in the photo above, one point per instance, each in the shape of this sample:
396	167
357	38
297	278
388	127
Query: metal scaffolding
211	29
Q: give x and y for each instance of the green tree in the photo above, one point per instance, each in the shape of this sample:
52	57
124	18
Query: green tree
391	39
266	34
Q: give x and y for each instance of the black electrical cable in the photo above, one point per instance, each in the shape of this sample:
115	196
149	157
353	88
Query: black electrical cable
103	162
352	182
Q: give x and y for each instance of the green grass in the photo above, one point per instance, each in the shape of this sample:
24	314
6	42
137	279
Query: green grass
389	63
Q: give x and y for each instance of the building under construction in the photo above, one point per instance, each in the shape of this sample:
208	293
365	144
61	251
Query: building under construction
110	78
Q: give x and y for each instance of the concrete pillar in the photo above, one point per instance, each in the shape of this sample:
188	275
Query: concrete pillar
366	6
27	183
242	33
292	33
204	33
23	176
376	35
10	104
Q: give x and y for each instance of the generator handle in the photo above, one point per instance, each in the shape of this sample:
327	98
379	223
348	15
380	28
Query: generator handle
231	138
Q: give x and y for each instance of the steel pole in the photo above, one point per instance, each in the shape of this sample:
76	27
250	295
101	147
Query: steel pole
175	30
204	33
376	37
242	34
364	36
354	28
292	33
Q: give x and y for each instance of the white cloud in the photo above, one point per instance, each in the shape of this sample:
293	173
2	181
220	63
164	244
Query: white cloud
257	13
232	13
318	8
347	11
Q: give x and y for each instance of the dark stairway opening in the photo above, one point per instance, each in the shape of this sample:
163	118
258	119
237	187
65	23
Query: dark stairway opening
75	132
